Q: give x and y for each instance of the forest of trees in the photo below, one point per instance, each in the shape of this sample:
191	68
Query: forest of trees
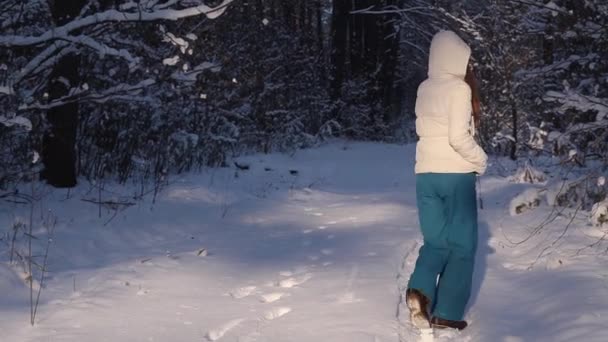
139	89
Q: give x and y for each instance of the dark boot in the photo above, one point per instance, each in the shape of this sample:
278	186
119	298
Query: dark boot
441	323
419	308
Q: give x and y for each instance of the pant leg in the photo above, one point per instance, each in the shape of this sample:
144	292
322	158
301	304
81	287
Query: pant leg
454	287
433	254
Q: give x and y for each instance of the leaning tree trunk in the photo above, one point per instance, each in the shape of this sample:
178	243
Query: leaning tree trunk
59	150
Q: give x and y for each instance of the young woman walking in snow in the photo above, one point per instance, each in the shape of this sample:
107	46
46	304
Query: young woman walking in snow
447	162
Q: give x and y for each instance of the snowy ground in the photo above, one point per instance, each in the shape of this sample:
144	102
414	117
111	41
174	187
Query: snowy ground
319	255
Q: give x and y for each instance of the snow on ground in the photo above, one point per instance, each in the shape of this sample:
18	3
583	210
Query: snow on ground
310	247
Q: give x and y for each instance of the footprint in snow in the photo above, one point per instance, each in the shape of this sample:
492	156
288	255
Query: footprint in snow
514	267
327	251
271	297
276	313
216	334
294	271
348	298
300	269
242	292
286	273
190	307
449	335
513	339
249	338
294	281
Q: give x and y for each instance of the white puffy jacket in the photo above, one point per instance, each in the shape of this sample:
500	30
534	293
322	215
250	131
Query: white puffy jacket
444	112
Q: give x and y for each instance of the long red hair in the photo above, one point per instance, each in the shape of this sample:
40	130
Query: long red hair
475	101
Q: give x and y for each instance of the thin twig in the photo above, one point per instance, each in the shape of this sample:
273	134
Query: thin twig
559	238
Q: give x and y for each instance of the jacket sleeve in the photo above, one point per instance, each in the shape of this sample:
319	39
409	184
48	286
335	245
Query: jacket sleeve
459	124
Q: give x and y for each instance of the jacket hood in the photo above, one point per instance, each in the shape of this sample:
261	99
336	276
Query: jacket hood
449	55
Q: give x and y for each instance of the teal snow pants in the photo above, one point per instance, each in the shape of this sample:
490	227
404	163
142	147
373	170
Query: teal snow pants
447	210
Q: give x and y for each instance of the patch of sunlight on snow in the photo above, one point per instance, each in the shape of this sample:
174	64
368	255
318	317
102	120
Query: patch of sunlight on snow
348	215
198	195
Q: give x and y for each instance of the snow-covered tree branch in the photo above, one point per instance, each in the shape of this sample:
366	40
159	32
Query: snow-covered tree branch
63	32
122	92
81	32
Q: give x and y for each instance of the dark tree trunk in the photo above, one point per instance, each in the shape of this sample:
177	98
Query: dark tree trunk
59	150
319	10
339	31
513	153
356	32
372	39
288	14
272	9
548	44
260	9
388	55
310	24
301	17
514	118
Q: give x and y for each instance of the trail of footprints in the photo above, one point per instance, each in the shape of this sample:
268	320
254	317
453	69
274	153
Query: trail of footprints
288	280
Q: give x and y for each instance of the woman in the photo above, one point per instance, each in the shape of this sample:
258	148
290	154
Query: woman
447	162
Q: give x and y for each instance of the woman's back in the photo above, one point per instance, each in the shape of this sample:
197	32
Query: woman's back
443	112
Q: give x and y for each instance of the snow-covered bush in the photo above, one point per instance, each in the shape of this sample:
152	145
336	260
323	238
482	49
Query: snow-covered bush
557	193
15	150
359	114
528	174
527	200
546	91
573	103
599	214
583	192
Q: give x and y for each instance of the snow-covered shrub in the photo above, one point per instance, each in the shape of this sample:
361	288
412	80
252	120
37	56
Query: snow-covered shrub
15	149
583	192
565	194
528	174
599	214
527	200
360	115
501	142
